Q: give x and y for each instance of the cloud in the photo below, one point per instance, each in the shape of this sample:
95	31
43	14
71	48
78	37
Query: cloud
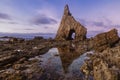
101	23
118	26
8	22
28	29
13	22
43	19
92	23
99	26
5	16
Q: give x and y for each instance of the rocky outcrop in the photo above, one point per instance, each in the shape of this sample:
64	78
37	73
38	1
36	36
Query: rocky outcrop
12	39
104	40
103	65
38	38
68	26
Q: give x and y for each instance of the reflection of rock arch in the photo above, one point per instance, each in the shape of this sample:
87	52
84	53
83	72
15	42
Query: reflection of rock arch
68	54
68	26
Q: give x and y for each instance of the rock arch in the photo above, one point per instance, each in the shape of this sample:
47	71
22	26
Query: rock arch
70	37
68	26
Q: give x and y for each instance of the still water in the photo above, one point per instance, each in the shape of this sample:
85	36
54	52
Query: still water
63	64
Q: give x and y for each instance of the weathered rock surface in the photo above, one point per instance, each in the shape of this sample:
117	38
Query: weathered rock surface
104	40
105	65
68	26
27	70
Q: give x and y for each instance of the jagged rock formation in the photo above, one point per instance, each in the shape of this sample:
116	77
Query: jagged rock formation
104	40
68	26
104	65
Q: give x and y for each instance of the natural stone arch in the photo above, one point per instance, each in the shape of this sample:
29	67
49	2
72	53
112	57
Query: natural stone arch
71	32
69	25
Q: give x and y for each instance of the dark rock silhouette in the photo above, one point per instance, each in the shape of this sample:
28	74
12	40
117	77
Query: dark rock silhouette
104	40
68	26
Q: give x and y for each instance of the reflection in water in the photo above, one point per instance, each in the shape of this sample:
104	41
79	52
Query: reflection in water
68	54
67	64
4	39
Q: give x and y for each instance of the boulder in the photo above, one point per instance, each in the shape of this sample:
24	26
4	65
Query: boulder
70	26
104	40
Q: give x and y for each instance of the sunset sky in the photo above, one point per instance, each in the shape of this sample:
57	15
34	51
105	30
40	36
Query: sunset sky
43	16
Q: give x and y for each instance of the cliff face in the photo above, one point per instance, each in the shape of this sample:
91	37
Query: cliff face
68	26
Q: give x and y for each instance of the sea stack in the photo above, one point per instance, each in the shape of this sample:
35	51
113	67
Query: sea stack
70	26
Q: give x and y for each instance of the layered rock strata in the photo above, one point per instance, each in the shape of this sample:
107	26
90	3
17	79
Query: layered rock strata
69	26
104	40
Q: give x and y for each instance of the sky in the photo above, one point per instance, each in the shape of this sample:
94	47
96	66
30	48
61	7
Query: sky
44	16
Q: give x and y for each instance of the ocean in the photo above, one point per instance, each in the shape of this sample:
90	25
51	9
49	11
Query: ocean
28	35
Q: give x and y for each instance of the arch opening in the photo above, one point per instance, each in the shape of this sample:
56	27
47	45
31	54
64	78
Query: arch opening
71	35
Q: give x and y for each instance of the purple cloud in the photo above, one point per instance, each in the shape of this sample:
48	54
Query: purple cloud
95	23
99	24
5	16
13	22
118	26
43	19
28	29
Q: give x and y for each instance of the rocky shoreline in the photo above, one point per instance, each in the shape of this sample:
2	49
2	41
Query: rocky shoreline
103	65
15	58
15	55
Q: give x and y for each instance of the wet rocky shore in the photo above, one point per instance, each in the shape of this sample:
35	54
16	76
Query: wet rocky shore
103	65
15	55
17	60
